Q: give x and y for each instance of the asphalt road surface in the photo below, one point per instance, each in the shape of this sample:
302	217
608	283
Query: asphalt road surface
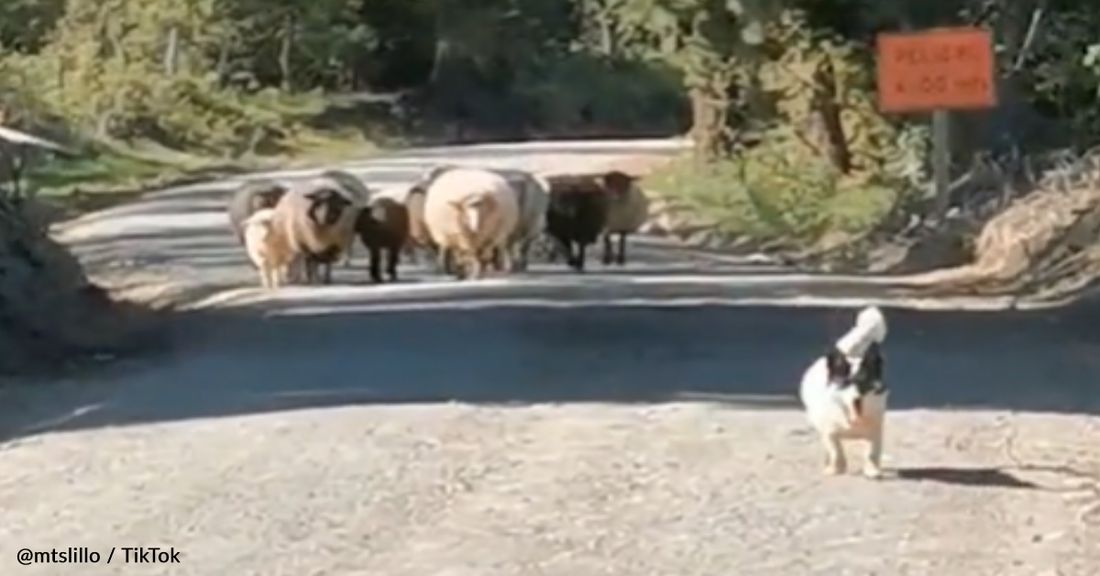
627	422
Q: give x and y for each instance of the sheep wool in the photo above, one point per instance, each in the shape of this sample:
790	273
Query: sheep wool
628	210
266	248
318	221
471	214
383	227
576	218
355	189
533	200
250	197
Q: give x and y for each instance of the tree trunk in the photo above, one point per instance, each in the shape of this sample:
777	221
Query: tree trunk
711	105
171	51
825	112
285	51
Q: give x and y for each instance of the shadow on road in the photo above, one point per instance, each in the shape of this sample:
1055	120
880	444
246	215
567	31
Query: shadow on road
751	357
976	477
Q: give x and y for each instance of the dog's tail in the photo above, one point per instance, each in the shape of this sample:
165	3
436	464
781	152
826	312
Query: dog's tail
870	327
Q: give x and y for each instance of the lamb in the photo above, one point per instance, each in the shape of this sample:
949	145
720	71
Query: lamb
844	393
355	188
383	226
266	247
533	199
576	217
470	214
249	198
317	217
628	210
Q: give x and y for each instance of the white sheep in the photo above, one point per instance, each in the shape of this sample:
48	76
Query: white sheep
845	396
266	247
471	214
317	218
628	210
533	199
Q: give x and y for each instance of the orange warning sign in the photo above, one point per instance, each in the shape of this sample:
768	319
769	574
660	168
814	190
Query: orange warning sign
942	68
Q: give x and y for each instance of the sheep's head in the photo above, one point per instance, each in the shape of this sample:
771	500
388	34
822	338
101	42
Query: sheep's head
617	183
327	206
474	210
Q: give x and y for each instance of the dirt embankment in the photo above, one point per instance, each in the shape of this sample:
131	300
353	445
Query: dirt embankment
1045	245
51	316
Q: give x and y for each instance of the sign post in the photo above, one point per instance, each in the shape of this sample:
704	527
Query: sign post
937	71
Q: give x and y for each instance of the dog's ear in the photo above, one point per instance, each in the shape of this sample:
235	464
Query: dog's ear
838	366
873	363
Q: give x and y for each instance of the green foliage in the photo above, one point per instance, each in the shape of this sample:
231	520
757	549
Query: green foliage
771	196
240	78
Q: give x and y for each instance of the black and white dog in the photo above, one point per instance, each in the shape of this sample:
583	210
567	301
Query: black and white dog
845	395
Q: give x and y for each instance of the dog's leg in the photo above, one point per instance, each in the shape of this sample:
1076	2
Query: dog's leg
872	464
835	461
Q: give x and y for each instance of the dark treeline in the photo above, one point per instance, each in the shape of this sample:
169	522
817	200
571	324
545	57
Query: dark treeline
226	75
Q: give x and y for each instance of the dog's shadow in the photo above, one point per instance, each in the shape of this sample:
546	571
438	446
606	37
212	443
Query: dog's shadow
987	477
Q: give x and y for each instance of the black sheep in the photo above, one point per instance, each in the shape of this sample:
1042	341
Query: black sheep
575	219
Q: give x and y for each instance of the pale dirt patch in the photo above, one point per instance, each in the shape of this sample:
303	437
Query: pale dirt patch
681	489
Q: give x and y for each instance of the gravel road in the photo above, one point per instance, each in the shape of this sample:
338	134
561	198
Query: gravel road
629	423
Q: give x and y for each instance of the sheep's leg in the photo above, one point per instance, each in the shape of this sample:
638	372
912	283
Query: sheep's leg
347	256
620	257
835	461
506	262
326	273
560	246
411	253
293	273
582	252
393	257
443	261
554	249
312	274
608	257
476	269
375	264
523	255
265	280
872	464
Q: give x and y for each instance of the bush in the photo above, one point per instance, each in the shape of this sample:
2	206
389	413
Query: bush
773	196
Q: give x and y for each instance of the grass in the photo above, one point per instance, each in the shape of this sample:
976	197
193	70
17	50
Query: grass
117	173
768	198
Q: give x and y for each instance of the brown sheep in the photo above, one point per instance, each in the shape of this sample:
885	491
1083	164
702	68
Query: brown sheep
383	226
318	220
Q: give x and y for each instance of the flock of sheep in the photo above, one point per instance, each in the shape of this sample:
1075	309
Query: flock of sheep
470	220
